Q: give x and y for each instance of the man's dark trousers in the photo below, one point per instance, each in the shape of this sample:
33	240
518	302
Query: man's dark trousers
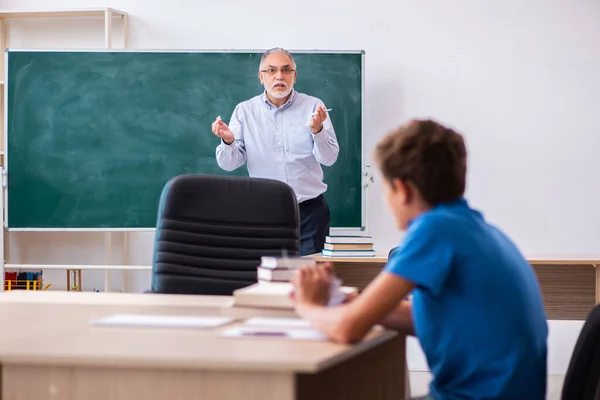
314	225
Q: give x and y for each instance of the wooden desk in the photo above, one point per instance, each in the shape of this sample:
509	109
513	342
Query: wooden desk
48	350
110	299
570	283
355	271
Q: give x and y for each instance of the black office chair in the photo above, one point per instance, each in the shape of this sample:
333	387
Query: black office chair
583	374
212	231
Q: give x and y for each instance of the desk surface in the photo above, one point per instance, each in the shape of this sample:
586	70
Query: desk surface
59	333
546	259
108	298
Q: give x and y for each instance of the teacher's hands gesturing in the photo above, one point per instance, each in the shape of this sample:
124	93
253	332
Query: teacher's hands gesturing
220	129
316	123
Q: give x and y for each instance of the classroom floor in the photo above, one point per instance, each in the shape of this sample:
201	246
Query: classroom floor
419	384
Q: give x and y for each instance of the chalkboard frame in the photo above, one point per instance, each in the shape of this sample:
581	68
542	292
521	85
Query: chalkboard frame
334	230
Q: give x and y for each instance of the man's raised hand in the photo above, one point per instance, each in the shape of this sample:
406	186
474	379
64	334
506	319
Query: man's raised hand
220	129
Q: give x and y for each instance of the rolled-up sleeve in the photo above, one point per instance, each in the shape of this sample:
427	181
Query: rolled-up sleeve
326	147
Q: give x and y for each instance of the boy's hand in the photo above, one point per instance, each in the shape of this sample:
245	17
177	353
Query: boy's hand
312	284
350	297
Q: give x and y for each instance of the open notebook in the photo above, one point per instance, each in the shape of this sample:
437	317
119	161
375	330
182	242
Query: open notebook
272	332
274	328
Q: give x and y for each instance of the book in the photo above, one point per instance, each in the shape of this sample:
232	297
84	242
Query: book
348	239
273	295
281	269
348	253
348	246
274	274
285	262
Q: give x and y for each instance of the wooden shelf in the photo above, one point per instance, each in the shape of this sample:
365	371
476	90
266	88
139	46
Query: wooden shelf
108	15
83	12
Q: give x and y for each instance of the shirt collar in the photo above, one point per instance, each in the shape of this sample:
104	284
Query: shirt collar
285	105
458	202
461	202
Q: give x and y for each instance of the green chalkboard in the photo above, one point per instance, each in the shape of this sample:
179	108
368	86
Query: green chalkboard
93	136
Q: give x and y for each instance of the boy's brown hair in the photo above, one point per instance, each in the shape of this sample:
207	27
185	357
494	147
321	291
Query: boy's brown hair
431	156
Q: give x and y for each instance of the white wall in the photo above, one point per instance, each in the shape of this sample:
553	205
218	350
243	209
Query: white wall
519	79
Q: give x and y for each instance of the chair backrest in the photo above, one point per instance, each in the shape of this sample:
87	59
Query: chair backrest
583	374
211	232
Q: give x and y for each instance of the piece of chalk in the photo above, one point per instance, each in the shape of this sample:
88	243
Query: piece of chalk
329	109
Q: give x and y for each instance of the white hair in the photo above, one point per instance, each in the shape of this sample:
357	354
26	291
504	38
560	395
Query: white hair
276	50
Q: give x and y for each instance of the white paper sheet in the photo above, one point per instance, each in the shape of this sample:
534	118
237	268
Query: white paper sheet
273	333
278	322
161	321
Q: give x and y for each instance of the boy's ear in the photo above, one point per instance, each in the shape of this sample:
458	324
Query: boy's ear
396	184
402	188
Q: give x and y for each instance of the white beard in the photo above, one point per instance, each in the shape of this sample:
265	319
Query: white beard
278	94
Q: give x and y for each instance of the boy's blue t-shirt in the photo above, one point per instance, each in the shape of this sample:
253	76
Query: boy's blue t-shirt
477	307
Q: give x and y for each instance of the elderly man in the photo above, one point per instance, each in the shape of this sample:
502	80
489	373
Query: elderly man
284	135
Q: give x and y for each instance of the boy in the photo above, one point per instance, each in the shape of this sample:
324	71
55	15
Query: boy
476	308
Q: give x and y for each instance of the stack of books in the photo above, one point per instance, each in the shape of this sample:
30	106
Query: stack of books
348	246
272	295
280	269
274	289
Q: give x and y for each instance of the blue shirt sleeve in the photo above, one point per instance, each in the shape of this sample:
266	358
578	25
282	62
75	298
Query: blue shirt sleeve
425	257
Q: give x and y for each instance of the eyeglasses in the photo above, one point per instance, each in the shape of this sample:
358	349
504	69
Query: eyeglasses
273	71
